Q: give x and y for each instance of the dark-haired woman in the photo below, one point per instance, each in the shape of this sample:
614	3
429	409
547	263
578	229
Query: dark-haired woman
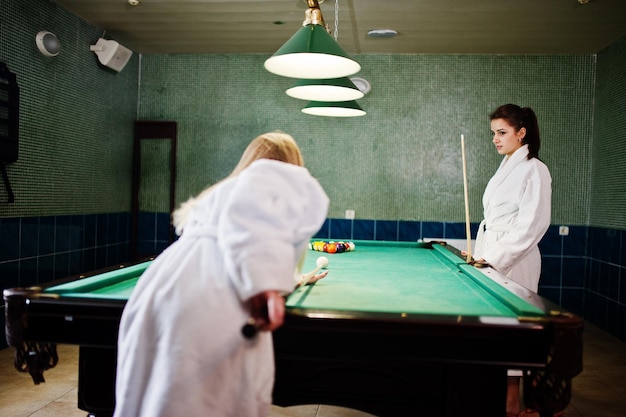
517	199
517	204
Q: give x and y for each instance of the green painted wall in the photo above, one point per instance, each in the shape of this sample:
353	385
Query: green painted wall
403	159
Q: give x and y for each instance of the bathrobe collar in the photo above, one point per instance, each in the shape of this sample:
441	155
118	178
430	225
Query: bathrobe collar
507	166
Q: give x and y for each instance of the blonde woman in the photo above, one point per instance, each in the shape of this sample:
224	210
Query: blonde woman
180	350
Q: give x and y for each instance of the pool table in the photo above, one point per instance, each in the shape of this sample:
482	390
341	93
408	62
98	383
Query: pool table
395	329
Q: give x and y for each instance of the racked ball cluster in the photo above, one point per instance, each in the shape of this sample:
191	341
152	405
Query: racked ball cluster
332	246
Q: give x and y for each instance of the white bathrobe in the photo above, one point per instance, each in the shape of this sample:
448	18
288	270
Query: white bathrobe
517	204
180	349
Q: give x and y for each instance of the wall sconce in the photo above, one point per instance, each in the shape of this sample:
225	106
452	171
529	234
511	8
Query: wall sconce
47	43
312	52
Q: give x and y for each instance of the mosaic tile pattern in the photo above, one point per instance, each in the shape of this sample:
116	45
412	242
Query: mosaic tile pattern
154	182
76	117
403	159
608	189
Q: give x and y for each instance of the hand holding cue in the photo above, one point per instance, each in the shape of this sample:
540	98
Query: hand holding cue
307	277
467	215
322	262
250	329
267	313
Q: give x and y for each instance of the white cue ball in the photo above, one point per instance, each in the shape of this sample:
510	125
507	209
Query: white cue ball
322	262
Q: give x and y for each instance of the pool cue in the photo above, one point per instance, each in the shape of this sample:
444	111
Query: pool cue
249	330
467	215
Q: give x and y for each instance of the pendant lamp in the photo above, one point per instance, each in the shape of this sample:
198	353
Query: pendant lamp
312	52
334	109
331	89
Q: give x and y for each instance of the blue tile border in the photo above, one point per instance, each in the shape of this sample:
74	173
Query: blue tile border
585	271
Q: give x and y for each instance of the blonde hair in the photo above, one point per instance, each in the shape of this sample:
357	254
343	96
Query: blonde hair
275	145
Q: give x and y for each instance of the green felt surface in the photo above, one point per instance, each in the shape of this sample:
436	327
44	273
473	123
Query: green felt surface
407	278
382	277
117	284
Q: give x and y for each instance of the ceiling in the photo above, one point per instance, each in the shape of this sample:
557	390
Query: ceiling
423	26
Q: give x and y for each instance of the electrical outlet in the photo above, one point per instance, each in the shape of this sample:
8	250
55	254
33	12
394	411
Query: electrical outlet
350	214
563	230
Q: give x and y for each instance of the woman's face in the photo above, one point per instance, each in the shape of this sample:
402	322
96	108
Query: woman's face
506	139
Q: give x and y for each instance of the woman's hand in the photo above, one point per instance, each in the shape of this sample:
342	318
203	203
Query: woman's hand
310	278
478	262
268	310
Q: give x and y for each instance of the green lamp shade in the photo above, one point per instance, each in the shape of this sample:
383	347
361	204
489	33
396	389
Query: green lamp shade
334	109
311	53
331	89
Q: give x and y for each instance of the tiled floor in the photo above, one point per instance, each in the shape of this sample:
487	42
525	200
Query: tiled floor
600	391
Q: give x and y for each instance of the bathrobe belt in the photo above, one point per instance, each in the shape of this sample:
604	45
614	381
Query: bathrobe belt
498	228
195	231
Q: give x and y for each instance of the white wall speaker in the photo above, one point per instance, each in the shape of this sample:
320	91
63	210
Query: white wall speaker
111	54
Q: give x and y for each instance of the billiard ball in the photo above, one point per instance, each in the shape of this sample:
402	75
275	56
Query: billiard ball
322	262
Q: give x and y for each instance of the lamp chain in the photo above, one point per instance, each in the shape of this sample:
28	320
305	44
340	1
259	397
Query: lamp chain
336	32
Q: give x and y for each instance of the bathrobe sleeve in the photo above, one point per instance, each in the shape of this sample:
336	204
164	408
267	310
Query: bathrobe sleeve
273	211
529	222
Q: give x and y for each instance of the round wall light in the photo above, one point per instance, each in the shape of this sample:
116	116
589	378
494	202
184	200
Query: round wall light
47	43
362	84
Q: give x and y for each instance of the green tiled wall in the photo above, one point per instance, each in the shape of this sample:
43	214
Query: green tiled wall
154	185
76	117
403	159
608	188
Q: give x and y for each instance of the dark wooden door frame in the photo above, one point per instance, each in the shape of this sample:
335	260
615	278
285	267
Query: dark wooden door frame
149	129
